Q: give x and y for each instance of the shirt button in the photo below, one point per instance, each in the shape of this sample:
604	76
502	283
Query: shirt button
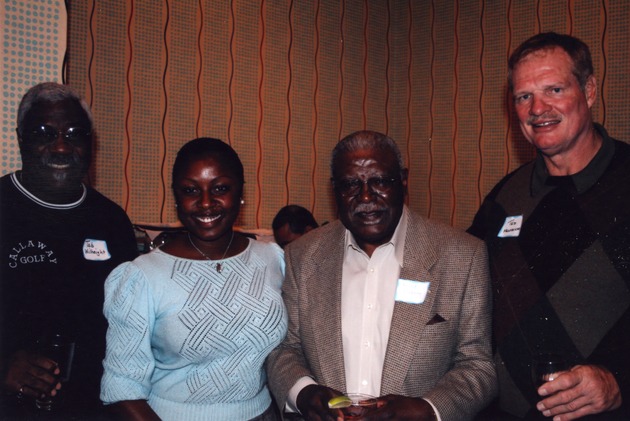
364	382
370	306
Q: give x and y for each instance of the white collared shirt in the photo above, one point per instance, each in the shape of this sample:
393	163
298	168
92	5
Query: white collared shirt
367	304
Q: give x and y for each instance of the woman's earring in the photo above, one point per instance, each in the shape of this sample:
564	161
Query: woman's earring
242	201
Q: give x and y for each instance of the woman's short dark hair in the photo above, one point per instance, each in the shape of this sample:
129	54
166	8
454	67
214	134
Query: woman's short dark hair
575	48
207	146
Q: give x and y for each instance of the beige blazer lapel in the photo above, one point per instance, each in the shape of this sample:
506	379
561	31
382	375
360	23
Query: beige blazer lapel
324	285
408	320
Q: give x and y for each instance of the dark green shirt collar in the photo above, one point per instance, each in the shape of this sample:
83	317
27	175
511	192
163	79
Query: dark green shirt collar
582	180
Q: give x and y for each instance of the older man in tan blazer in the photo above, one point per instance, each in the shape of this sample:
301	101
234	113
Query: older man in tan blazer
384	302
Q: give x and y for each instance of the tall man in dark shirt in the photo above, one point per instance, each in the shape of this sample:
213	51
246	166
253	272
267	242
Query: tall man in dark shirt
558	235
59	241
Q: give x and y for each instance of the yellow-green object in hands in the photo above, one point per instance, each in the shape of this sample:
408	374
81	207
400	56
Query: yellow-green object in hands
341	401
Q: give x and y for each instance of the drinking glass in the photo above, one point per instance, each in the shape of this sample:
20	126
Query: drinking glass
362	404
60	349
546	367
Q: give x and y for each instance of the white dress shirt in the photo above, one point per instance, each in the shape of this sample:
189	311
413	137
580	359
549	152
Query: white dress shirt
368	287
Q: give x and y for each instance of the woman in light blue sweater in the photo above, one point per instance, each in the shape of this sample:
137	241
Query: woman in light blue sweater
191	323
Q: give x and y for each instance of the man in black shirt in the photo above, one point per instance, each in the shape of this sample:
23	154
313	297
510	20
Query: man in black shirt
558	236
59	241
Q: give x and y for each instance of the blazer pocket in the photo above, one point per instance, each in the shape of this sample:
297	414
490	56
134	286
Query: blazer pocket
434	354
435	320
439	336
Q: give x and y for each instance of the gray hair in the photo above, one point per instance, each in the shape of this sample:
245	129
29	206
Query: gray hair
51	92
365	139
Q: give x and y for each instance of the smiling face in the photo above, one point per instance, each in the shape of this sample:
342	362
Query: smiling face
55	162
370	216
553	111
207	193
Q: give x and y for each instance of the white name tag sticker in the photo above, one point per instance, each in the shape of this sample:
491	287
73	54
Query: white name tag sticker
511	227
95	250
412	292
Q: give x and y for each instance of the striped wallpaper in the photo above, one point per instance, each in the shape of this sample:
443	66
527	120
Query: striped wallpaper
283	80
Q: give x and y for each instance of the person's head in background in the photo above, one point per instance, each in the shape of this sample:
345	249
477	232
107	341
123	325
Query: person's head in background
290	223
54	130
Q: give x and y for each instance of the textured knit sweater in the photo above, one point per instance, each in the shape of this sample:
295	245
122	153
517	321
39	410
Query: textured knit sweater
561	275
190	340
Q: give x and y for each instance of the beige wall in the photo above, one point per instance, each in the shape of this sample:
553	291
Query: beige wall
283	80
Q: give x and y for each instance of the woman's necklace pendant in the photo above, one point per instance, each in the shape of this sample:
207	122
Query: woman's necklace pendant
218	267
